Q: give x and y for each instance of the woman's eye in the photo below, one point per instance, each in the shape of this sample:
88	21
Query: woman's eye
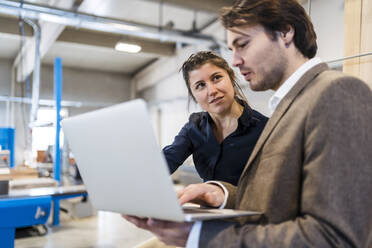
216	78
199	86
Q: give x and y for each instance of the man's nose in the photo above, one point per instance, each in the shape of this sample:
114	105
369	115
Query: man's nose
237	60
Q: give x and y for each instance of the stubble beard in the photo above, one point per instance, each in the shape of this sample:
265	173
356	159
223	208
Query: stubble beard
272	78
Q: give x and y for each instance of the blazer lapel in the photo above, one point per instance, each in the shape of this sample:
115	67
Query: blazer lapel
282	108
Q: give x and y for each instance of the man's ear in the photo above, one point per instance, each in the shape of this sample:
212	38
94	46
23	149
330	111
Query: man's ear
287	35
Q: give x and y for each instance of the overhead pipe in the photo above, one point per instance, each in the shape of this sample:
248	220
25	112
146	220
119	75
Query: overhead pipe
108	25
51	103
10	109
36	73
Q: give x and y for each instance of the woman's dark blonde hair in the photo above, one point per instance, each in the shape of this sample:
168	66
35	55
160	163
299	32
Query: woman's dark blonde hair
197	60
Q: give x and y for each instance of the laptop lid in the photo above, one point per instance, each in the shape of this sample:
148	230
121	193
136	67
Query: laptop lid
122	165
120	162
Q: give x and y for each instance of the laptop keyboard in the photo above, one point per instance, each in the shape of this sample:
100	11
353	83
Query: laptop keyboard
199	210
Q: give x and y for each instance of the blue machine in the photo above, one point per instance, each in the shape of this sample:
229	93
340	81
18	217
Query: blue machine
21	212
7	142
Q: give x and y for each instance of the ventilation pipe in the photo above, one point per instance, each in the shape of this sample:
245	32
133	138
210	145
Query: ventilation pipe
36	73
102	24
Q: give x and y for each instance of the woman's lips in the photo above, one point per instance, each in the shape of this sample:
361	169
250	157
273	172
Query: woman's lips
216	100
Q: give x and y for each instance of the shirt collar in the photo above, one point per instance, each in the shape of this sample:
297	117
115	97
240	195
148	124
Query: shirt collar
290	82
244	119
246	116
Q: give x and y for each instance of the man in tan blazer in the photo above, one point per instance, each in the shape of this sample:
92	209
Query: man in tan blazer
310	173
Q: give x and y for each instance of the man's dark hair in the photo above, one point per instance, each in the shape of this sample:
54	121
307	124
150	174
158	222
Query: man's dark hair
274	15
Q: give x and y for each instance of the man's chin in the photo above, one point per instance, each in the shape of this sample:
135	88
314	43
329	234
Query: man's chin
258	86
254	86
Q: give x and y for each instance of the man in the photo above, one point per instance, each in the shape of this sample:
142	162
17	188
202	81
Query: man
311	170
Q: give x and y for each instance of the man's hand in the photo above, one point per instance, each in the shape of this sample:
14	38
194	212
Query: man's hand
176	233
203	194
170	233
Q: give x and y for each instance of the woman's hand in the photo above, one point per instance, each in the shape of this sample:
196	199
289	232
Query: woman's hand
170	233
203	194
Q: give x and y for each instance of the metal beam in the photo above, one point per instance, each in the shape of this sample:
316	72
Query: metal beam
9	25
91	22
206	5
51	103
24	61
93	38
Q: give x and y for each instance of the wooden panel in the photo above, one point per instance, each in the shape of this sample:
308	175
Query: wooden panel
352	25
366	42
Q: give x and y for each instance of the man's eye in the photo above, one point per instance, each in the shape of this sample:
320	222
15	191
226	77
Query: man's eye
242	45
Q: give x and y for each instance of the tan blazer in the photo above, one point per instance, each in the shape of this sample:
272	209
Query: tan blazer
310	172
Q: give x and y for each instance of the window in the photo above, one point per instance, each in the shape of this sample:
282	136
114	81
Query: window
43	135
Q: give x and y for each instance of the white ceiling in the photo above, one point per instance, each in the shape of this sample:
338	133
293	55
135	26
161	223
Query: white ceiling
105	58
96	58
10	45
148	13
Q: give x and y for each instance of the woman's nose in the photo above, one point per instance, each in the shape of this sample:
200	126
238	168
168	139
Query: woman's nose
212	89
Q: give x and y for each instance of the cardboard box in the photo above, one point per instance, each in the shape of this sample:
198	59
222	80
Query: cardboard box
23	172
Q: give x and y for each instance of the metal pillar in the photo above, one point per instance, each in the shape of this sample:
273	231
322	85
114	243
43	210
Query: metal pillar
57	157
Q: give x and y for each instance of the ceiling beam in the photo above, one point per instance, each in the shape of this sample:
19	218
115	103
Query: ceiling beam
25	60
94	38
10	25
109	25
205	5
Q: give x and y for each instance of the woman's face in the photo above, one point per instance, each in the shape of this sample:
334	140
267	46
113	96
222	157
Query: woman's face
212	88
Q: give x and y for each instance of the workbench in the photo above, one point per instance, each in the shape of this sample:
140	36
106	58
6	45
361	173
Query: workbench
28	207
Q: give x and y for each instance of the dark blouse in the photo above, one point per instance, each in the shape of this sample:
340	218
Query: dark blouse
214	161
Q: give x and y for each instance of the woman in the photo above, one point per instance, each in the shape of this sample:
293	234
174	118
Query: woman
222	138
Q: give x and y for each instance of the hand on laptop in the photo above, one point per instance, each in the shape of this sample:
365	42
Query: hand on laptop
170	233
202	193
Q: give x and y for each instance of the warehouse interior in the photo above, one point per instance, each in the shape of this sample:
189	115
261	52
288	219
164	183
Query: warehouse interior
81	39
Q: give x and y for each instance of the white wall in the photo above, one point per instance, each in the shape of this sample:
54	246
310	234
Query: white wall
162	85
328	19
86	86
5	79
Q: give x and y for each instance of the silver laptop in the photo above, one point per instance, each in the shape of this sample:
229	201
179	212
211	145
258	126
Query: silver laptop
123	167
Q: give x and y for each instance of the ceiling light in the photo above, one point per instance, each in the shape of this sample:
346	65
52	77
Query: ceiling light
129	48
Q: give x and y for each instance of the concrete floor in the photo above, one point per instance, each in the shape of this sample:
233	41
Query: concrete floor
106	230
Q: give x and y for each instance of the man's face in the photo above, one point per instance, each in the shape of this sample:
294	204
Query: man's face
260	58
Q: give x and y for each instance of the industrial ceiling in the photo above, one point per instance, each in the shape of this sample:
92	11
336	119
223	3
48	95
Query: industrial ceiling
84	32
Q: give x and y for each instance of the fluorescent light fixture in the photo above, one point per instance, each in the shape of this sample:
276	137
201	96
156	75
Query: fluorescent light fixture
124	26
129	48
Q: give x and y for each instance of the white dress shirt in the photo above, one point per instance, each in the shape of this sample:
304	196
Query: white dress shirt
193	239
